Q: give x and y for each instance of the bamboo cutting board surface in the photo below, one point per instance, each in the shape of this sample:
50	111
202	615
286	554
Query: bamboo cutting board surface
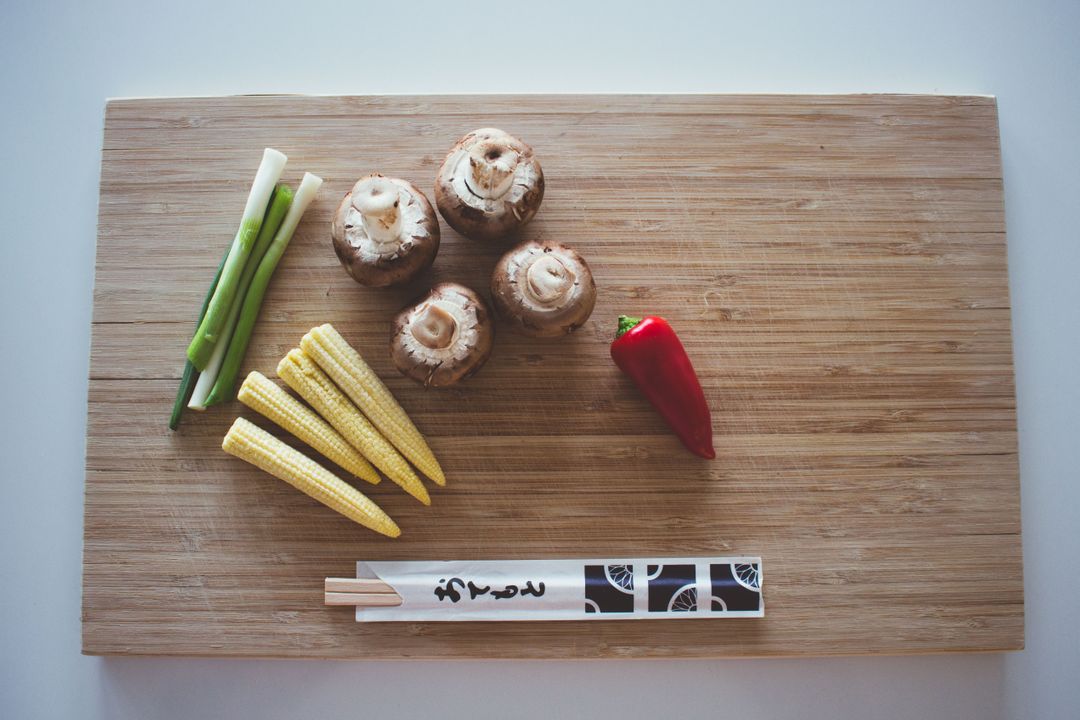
835	266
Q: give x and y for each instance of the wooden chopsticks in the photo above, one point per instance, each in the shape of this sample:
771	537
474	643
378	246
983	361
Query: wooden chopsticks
361	592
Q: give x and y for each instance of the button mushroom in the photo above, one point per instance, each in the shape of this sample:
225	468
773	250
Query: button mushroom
444	338
489	185
543	289
385	231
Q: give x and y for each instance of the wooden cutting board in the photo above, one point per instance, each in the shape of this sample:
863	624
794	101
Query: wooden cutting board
835	265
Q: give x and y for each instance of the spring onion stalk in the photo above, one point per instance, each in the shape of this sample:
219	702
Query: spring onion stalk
217	314
275	213
188	378
254	298
222	383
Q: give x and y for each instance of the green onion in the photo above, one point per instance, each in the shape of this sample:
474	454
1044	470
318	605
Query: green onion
279	205
188	378
249	313
213	322
218	386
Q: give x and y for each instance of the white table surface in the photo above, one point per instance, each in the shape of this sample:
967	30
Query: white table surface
62	60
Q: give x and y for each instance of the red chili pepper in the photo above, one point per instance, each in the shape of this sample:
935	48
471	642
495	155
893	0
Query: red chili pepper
649	351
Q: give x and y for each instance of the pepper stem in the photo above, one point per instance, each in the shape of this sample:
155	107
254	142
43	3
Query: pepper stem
626	324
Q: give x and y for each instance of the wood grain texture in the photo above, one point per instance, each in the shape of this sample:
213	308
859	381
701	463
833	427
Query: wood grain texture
834	264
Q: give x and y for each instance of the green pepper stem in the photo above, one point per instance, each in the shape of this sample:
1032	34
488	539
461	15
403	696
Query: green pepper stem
626	324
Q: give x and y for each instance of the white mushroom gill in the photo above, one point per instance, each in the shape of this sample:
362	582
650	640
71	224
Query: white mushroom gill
383	218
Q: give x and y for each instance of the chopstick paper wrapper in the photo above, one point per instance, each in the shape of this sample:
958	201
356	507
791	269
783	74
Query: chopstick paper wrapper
596	589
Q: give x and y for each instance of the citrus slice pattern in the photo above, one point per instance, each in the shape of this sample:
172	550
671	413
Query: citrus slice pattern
718	604
621	576
685	600
747	575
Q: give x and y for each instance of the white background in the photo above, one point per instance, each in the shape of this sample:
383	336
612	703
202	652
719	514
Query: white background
60	61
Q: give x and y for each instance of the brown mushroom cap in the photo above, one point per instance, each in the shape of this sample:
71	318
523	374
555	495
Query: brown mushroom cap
385	231
489	185
543	289
444	338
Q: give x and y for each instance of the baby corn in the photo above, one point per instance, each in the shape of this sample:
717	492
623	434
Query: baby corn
302	374
265	397
258	447
347	369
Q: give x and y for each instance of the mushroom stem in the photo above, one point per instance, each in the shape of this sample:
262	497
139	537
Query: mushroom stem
543	289
493	165
377	200
444	338
549	280
435	328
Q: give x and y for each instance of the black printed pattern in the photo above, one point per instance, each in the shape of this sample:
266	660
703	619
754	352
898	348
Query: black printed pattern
735	586
672	588
609	588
